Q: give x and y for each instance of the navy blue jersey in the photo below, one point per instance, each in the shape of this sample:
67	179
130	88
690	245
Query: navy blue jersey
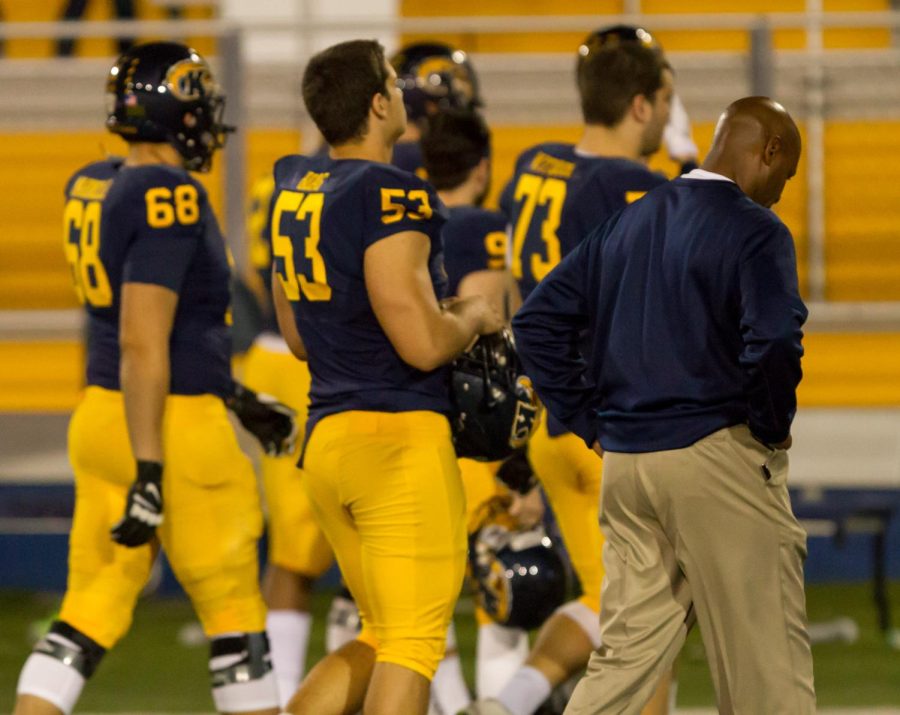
474	240
150	224
690	301
408	156
325	214
556	197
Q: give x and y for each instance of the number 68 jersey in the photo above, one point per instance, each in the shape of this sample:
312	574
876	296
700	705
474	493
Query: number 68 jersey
325	214
150	224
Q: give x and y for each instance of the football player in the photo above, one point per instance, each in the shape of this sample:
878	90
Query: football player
156	460
434	77
298	552
558	194
456	156
356	247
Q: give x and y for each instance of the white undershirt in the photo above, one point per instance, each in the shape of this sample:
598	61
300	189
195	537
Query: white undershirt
705	175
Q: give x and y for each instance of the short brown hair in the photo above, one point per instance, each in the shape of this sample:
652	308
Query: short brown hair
454	143
338	86
610	77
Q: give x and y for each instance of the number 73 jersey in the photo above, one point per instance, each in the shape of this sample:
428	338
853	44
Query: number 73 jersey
556	197
325	214
150	224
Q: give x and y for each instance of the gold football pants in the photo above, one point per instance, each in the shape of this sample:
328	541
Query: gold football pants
211	522
386	490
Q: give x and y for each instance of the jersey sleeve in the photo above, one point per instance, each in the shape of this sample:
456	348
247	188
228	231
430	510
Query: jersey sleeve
396	202
479	245
169	212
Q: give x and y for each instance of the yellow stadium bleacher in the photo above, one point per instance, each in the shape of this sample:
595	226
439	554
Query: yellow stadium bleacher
862	192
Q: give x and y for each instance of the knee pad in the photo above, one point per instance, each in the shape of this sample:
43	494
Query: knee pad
71	647
59	665
587	619
240	670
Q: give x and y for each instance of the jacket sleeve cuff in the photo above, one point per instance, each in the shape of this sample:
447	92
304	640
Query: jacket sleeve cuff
585	426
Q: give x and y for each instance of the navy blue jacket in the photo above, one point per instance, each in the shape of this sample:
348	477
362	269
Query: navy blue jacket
689	298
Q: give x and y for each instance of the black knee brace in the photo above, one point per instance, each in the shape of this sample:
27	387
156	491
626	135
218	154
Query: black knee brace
84	656
250	658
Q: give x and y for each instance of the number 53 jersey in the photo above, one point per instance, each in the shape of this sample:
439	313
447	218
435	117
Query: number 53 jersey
325	214
150	224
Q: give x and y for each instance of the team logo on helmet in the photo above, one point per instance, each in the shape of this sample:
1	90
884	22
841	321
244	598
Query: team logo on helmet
495	408
518	573
189	80
528	408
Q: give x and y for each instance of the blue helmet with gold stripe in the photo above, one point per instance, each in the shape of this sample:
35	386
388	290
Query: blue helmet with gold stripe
519	574
495	408
165	92
435	77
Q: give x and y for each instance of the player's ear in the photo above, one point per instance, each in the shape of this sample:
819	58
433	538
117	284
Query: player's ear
641	108
380	105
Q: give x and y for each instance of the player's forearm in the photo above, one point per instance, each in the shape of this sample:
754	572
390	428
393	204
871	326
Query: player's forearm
145	385
450	333
287	325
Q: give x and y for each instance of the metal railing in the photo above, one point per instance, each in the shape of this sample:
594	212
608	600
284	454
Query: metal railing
760	62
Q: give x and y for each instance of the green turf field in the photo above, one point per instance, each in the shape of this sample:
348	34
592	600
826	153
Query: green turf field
151	671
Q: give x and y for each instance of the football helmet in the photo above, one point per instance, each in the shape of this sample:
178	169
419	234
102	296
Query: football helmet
165	92
495	409
519	575
435	77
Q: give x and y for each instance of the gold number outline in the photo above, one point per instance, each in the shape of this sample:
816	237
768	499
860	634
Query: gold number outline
536	191
304	206
392	212
88	274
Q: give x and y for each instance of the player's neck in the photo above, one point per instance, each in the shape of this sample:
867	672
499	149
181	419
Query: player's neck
618	141
412	133
372	147
463	195
147	153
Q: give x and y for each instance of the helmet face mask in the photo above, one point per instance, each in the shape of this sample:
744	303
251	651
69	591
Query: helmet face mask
495	408
435	77
165	92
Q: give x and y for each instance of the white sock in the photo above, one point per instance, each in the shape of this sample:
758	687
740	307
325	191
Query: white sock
449	693
673	695
50	679
500	652
288	639
525	692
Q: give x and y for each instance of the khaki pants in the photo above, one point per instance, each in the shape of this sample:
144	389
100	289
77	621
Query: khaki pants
703	532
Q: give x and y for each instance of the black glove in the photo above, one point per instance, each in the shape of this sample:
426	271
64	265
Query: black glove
516	472
267	419
144	508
